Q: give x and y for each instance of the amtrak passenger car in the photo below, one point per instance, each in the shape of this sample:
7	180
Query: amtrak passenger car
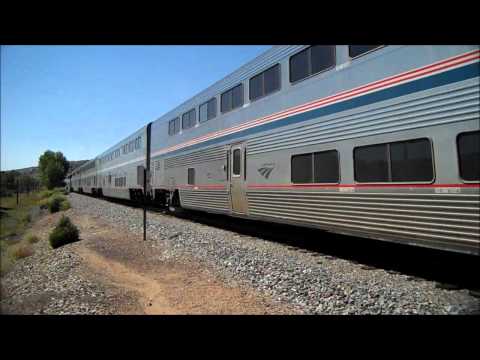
372	141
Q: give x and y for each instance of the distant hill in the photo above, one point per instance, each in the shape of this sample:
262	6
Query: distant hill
33	170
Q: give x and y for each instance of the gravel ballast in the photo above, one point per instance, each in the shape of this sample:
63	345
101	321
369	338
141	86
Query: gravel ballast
311	283
51	282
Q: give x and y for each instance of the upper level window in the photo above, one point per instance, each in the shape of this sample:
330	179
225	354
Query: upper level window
319	167
174	126
265	83
138	142
311	61
468	145
232	98
207	110
357	50
188	119
402	161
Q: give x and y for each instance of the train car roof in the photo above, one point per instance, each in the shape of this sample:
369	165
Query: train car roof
261	62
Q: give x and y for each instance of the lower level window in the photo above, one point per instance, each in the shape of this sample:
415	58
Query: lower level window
469	155
402	161
319	167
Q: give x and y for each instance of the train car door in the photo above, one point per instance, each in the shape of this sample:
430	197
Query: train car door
238	178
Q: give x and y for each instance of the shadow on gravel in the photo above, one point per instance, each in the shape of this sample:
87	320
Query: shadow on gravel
449	270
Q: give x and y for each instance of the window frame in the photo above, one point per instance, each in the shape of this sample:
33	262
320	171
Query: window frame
231	90
263	83
313	167
365	53
206	104
458	157
310	65
388	143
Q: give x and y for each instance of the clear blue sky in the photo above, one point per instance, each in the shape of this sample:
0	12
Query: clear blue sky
82	99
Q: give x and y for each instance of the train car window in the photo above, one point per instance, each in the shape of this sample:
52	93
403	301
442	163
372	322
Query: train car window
174	126
265	83
191	176
468	145
322	58
311	61
256	87
299	66
236	162
245	164
203	112
188	119
357	50
371	163
237	96
226	102
302	168
272	79
411	160
177	125
212	108
325	166
231	99
208	110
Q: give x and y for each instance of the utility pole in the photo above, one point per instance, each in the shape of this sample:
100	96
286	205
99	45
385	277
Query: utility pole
17	191
144	204
142	181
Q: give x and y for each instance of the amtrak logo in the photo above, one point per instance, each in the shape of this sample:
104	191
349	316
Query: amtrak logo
266	170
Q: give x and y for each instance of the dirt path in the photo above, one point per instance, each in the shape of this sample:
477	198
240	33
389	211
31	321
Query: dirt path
173	291
151	292
124	261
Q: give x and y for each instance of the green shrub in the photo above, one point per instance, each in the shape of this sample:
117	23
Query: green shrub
26	218
46	194
32	238
43	203
64	233
54	203
64	205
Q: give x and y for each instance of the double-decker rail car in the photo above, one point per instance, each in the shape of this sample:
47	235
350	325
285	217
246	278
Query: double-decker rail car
372	141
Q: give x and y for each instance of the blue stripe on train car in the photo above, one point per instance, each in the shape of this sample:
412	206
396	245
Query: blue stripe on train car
448	77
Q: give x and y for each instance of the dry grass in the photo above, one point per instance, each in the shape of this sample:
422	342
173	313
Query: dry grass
32	239
21	251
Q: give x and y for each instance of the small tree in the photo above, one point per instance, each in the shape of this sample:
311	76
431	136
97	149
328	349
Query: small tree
52	167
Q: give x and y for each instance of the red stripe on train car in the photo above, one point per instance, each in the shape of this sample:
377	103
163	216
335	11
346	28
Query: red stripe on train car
273	186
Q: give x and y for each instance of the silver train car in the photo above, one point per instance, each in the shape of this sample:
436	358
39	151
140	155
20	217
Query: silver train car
379	142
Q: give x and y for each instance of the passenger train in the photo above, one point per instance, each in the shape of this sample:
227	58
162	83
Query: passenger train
373	141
